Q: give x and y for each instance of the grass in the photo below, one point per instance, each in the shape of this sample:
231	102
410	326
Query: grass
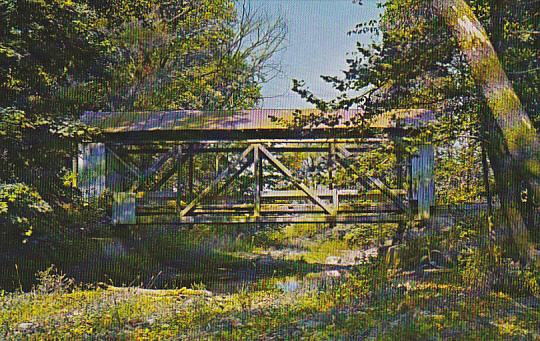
153	256
368	303
381	299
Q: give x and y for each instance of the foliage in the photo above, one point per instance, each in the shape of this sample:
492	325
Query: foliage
369	234
20	207
51	281
59	58
484	274
44	47
513	29
417	63
458	173
192	55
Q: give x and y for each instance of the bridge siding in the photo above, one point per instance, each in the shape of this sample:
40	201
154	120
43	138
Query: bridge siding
185	125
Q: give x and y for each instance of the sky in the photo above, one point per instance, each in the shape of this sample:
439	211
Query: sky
317	44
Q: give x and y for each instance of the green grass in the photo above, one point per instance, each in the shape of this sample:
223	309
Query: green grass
368	303
475	298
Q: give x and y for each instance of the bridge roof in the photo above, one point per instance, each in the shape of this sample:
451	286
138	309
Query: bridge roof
259	123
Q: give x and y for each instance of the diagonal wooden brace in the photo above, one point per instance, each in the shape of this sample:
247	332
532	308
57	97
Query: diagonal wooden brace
153	169
285	171
131	167
230	169
181	157
368	180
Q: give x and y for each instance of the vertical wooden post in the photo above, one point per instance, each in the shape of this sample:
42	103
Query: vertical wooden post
216	165
331	162
178	178
257	173
422	178
75	169
190	173
423	181
399	151
91	170
331	153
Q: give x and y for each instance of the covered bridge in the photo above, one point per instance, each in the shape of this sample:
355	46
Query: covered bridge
249	166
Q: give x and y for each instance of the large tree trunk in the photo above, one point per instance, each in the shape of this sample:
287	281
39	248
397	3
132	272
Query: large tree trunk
513	145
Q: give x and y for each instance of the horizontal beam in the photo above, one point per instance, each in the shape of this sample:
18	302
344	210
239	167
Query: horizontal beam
319	148
284	149
375	195
291	219
270	208
275	138
325	193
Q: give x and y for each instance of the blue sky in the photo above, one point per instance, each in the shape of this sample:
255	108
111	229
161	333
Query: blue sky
317	43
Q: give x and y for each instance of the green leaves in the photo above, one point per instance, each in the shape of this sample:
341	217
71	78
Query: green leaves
185	55
60	58
12	121
20	206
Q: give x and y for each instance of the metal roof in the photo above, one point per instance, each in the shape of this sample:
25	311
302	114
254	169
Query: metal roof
259	121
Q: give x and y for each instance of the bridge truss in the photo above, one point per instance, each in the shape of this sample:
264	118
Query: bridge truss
257	174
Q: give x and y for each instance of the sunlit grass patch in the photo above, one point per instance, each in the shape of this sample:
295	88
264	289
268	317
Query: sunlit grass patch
364	303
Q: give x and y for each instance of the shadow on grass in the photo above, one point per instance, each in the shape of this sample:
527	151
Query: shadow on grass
152	256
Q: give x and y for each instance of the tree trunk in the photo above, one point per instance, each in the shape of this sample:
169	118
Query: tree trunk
513	145
496	28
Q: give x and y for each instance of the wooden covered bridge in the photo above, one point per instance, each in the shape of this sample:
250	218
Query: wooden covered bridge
187	167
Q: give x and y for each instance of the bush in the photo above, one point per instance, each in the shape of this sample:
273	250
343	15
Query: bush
51	281
20	206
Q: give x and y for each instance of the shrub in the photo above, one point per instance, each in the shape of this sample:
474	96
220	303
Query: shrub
51	281
20	205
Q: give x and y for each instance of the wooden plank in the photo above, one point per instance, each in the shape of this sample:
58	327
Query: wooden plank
123	209
276	208
148	146
293	208
257	172
281	167
153	169
159	162
92	169
180	158
326	193
423	180
131	167
217	180
244	120
291	219
439	212
191	150
282	149
178	169
271	195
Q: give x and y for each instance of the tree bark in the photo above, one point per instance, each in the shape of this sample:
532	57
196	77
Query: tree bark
496	11
513	144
